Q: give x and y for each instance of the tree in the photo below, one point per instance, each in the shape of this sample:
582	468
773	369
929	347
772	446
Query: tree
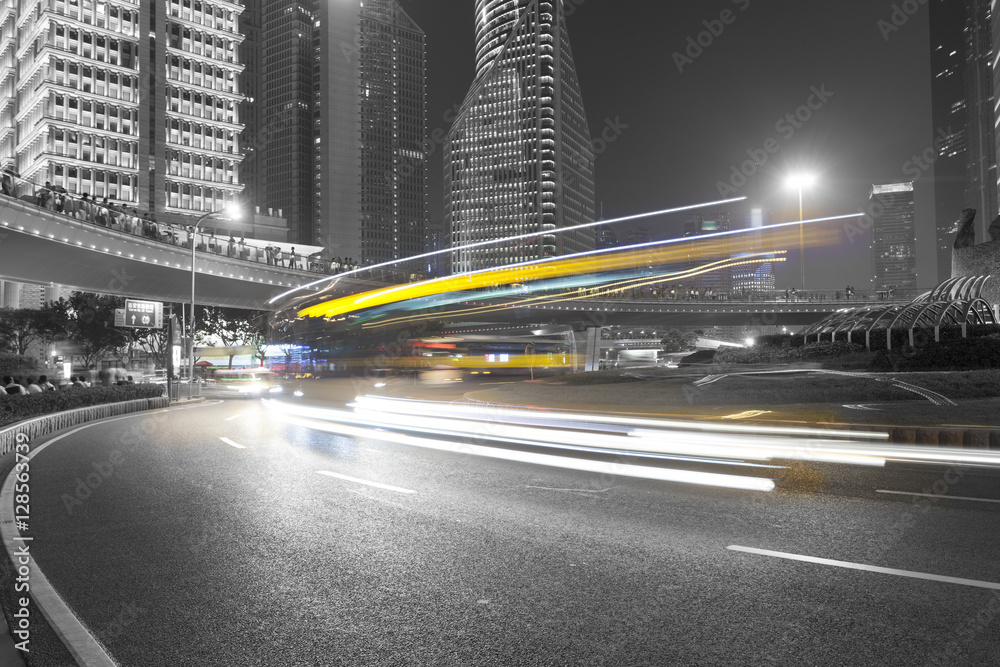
233	327
678	341
90	323
19	328
153	342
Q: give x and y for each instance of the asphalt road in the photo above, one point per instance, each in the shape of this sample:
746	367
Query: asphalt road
194	550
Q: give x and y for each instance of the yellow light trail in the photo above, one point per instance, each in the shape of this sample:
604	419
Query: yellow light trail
668	252
589	293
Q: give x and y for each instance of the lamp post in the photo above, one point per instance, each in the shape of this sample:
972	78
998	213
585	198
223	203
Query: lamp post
801	181
233	213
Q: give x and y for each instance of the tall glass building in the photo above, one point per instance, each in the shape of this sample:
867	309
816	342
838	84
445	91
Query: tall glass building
518	158
134	101
949	113
894	255
342	126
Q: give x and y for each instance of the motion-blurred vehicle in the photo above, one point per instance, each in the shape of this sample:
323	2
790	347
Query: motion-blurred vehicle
246	382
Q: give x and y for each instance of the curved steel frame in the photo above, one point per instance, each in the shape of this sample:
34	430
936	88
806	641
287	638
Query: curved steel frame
955	301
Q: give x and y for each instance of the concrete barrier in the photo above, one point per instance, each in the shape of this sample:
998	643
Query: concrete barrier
40	426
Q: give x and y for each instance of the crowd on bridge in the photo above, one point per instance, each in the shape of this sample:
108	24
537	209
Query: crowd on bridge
711	294
120	216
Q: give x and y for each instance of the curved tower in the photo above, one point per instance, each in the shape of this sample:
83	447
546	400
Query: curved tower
518	158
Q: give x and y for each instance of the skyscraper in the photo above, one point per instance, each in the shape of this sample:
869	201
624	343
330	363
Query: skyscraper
949	113
342	146
963	35
755	279
699	224
518	158
981	184
136	102
894	256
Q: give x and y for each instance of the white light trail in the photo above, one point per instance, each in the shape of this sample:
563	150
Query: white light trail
425	255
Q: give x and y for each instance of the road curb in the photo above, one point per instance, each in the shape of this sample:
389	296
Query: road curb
37	427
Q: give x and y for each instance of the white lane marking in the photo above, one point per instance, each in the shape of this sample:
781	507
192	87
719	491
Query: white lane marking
549	488
366	482
867	568
230	442
937	495
229	419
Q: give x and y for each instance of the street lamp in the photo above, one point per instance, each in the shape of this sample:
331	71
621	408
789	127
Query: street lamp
801	181
233	213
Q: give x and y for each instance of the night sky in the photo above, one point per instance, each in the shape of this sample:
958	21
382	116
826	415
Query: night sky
680	126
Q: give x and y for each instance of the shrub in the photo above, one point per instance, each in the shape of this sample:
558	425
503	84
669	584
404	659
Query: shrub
18	408
784	352
699	357
16	365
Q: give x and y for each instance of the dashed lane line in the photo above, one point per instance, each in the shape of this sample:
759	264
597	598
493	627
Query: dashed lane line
938	495
231	443
366	482
867	568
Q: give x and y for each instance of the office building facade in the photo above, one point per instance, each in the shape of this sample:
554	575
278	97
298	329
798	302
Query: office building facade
964	36
981	160
755	280
342	127
701	224
136	102
894	257
949	115
518	158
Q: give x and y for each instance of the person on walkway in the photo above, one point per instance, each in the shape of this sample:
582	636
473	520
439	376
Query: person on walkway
292	263
44	195
43	382
83	208
231	249
33	387
103	216
58	199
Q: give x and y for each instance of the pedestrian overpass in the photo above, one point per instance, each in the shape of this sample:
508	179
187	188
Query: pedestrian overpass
44	247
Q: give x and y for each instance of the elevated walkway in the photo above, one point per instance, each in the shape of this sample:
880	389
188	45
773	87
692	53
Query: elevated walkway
44	247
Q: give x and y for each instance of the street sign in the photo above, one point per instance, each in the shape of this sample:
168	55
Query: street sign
119	317
143	314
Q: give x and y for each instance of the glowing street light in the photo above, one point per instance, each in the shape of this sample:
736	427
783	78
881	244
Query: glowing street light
801	181
232	212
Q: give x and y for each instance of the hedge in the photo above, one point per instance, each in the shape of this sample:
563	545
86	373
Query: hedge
771	354
15	408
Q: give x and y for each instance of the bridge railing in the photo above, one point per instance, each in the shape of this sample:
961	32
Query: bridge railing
129	220
825	297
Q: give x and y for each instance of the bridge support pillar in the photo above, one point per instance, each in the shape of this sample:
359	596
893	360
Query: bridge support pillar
587	346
